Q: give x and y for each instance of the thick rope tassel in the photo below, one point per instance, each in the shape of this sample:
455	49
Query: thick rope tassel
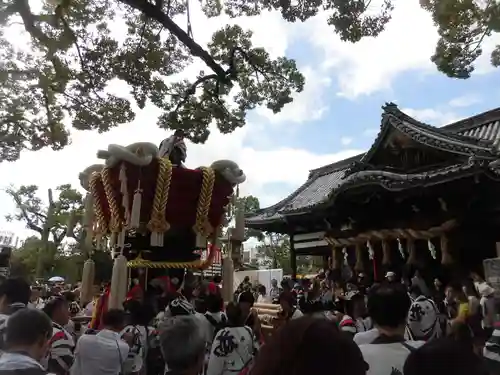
118	290
158	224
202	226
135	213
86	291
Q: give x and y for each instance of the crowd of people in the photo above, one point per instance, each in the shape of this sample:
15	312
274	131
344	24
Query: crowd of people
387	328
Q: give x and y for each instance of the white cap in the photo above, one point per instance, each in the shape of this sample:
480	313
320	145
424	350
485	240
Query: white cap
390	274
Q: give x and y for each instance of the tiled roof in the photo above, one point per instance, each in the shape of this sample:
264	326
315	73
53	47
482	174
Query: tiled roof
479	132
488	131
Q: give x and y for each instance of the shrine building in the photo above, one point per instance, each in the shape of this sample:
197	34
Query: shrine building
421	197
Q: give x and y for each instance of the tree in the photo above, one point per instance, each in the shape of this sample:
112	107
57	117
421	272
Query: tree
24	262
74	57
52	222
275	253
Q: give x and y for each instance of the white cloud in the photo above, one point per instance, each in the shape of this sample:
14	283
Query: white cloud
436	117
50	168
464	101
346	141
309	105
372	64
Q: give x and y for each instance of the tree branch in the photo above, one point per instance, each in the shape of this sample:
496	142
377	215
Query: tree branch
153	12
29	223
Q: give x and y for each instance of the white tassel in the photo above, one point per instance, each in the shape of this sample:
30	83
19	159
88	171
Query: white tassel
432	248
112	239
98	242
86	290
118	290
153	239
201	241
135	215
125	197
121	241
344	252
159	240
371	253
401	249
156	239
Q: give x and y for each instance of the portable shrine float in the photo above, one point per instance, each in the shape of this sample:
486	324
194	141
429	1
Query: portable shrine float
155	215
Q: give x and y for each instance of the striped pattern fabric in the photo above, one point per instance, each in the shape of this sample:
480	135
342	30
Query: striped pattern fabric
216	267
491	351
60	357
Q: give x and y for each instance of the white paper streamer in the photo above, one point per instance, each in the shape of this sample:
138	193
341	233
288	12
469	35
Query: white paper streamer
371	253
401	250
432	248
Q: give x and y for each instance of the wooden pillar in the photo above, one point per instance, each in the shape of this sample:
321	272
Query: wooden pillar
293	258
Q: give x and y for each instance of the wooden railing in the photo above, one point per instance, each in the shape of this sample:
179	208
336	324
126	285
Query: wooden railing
268	313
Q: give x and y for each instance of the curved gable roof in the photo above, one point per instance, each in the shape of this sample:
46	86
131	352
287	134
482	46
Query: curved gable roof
477	136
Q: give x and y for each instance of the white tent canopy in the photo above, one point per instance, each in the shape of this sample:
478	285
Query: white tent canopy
56	279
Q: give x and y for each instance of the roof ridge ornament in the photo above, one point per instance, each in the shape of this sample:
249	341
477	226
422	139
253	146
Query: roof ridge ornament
390	107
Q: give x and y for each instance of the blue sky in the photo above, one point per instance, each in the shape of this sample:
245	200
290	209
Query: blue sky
336	116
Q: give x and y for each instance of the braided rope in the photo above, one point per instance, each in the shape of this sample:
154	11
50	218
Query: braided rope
164	224
202	225
386	234
141	263
115	222
154	224
102	224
